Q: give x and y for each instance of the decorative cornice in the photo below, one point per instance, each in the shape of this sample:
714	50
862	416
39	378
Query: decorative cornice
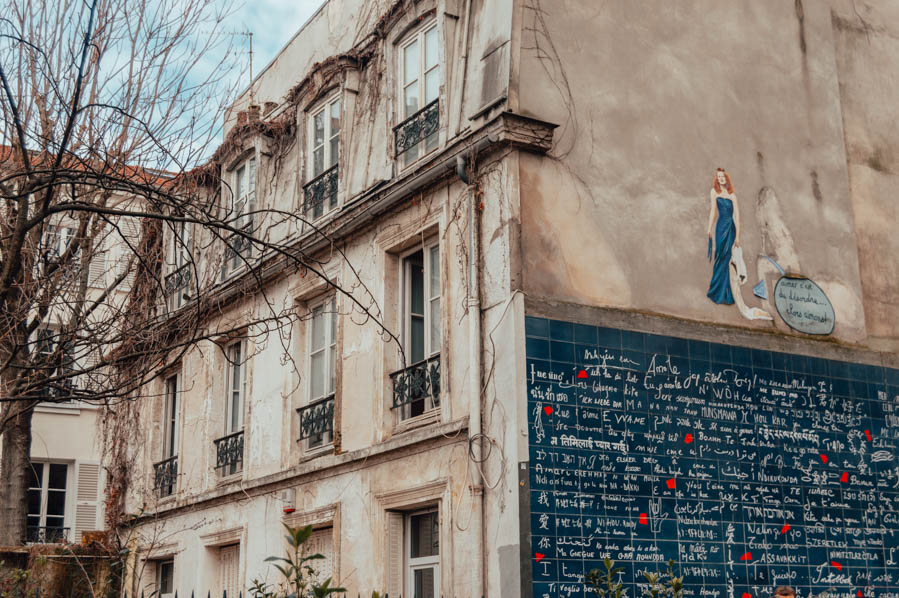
317	518
410	497
224	537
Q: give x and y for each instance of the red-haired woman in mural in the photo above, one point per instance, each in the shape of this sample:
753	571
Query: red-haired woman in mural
726	235
728	270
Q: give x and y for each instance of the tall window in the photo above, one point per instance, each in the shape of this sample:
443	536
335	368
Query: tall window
63	368
243	203
421	328
165	579
244	191
47	502
322	365
229	448
236	383
320	193
423	554
177	280
170	440
420	81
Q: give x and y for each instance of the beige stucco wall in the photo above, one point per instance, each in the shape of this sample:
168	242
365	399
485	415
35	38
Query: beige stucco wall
650	102
866	50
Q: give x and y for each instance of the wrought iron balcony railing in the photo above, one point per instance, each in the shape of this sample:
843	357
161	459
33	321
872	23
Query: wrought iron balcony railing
320	192
46	535
176	284
417	382
165	474
317	421
416	128
229	453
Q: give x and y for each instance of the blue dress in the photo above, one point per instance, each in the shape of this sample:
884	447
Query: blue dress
725	234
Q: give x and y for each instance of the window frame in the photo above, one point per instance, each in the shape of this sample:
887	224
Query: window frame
330	365
410	564
240	215
179	247
241	365
44	494
160	564
419	36
323	107
406	299
432	347
171	413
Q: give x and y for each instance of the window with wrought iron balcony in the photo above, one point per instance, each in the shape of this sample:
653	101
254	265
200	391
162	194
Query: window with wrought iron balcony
317	416
165	472
240	215
416	387
419	70
229	448
177	282
320	192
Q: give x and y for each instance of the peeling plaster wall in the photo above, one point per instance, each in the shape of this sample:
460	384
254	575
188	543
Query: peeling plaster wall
649	103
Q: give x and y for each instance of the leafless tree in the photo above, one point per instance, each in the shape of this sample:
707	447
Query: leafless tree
114	223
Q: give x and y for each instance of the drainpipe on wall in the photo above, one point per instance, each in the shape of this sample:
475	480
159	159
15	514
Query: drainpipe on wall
474	415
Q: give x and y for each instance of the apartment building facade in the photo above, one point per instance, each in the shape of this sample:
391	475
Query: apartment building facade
492	188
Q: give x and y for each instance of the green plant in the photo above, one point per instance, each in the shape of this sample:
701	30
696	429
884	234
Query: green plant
664	584
608	584
298	572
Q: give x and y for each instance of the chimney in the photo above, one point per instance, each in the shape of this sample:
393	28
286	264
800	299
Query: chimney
253	112
268	107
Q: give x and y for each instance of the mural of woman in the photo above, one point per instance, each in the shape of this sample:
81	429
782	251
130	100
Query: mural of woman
729	269
723	205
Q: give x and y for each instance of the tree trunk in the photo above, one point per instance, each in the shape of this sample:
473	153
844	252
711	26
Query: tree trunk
14	463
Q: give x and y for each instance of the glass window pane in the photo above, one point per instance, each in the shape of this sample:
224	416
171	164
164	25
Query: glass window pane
56	502
54	523
34	503
166	577
417	349
431	48
424	535
318	161
317	383
238	183
424	583
416	282
251	179
332	369
333	317
335	151
35	475
434	267
410	94
435	326
410	63
58	476
335	117
432	86
33	521
318	129
318	328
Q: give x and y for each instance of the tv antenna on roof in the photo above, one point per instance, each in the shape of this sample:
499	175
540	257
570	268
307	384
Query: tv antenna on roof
249	35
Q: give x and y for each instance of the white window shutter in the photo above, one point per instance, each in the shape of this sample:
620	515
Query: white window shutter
229	560
87	498
130	229
394	553
97	270
321	541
